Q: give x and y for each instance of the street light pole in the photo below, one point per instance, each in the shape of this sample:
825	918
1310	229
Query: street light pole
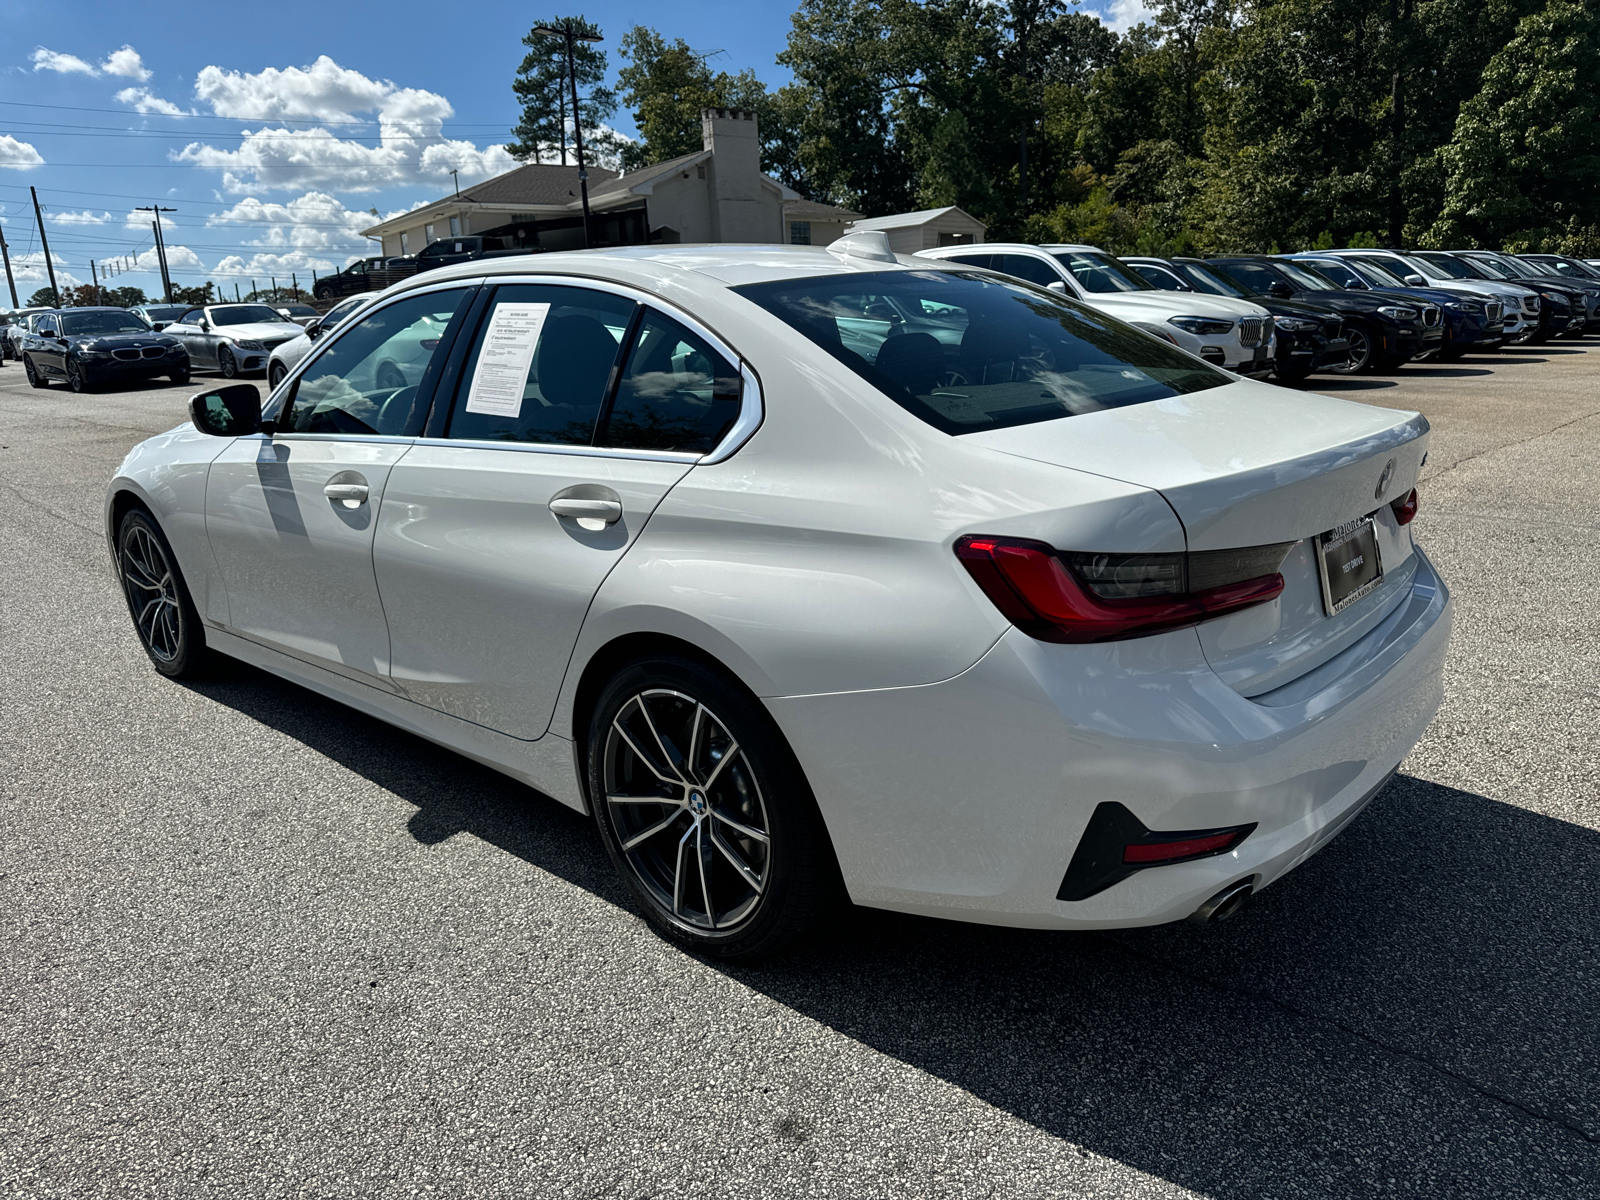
5	251
567	31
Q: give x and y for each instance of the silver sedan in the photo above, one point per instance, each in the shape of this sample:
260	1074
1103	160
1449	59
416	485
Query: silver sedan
995	609
287	356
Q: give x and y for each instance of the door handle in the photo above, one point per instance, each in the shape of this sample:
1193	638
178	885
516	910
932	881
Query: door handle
608	512
352	495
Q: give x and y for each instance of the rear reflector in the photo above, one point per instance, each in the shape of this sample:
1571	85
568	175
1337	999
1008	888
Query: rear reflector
1116	844
1160	852
1405	508
1040	594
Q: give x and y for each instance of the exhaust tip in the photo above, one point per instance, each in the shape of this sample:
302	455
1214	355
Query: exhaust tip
1226	903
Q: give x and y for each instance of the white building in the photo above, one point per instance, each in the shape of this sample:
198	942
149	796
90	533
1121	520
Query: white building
925	230
717	194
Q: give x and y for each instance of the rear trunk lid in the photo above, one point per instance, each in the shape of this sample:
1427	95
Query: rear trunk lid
1252	465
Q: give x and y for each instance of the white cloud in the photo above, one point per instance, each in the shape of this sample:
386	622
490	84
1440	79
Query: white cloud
65	64
127	63
19	155
411	147
142	221
85	217
314	221
179	258
1123	15
263	267
144	101
30	268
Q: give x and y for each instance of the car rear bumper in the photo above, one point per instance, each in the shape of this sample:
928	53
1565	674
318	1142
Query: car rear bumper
967	798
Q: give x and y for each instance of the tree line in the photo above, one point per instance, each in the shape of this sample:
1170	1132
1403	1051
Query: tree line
1216	126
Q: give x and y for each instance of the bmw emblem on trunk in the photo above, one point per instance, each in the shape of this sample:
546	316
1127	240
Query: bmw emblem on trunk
1383	480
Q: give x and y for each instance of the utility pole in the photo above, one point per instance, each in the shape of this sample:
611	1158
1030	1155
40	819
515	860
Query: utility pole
95	277
49	263
236	291
572	35
455	174
161	245
5	251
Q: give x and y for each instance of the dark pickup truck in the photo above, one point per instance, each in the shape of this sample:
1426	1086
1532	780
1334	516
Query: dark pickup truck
465	248
365	275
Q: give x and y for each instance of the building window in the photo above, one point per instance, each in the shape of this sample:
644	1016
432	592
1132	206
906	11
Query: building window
799	233
427	233
455	226
702	170
405	243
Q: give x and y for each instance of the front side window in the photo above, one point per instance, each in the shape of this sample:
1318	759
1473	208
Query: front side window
339	312
677	393
1307	277
192	317
1213	281
1341	273
1377	275
369	381
541	365
966	353
1258	278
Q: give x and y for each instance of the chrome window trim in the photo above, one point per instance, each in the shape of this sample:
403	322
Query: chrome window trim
752	406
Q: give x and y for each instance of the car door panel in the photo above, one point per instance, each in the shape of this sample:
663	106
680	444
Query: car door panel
484	586
297	564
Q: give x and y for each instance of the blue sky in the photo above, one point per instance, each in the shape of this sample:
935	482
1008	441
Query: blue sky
274	136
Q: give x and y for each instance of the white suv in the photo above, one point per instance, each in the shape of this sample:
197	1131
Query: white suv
1234	334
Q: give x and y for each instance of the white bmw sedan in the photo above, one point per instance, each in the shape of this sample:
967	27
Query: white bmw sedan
800	568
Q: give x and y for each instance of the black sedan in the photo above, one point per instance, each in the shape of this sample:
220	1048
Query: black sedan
87	347
1310	337
1384	332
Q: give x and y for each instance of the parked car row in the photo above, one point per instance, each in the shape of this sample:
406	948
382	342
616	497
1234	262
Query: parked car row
1338	311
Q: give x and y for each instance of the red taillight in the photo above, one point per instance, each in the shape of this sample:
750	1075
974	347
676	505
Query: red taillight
1160	852
1405	508
1034	589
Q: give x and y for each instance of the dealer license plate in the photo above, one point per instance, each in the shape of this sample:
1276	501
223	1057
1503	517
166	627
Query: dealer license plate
1347	558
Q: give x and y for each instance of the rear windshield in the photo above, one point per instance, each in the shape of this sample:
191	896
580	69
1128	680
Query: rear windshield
968	352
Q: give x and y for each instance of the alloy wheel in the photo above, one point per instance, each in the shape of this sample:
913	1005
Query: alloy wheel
228	365
34	378
1360	352
75	379
689	816
152	590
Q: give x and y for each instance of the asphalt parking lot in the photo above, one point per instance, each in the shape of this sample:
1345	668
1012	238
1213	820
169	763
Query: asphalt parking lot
256	944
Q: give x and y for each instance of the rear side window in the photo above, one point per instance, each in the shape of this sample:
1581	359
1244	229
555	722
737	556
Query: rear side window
542	365
967	352
677	393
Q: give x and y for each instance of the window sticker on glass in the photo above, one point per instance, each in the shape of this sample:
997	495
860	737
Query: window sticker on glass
504	361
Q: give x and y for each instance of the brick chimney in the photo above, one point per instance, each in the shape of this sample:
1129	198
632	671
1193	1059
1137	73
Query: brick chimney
738	211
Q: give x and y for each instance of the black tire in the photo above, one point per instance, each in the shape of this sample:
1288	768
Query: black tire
163	614
35	379
1362	351
78	379
755	807
226	363
275	374
181	378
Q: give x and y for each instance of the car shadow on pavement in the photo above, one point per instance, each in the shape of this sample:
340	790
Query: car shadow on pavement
1345	383
1414	1012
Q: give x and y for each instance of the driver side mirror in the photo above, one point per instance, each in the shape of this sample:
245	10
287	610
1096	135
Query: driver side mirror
231	411
1281	290
314	330
158	326
1416	280
1056	285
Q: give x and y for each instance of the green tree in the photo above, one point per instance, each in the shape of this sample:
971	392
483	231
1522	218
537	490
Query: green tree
125	297
668	85
43	298
1523	165
544	89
